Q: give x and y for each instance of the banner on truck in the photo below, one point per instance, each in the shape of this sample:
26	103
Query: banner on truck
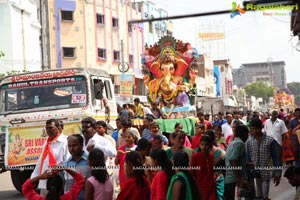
25	144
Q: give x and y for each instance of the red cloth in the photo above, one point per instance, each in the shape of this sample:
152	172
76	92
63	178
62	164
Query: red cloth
122	176
208	125
196	141
159	186
48	151
30	193
229	139
204	174
133	191
187	142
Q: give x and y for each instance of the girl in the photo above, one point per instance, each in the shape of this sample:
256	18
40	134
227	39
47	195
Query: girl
130	145
178	138
202	164
99	186
54	186
187	143
136	185
182	185
161	180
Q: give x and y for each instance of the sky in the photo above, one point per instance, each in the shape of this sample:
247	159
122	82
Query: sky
249	38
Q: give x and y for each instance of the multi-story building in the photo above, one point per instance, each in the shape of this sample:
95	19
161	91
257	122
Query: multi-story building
271	73
19	33
225	80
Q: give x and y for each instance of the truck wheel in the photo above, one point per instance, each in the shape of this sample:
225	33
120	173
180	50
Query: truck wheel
19	177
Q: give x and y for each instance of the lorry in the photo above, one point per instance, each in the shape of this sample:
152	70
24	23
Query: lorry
30	99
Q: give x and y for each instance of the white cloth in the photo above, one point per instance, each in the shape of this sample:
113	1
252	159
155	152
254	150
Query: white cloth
276	129
61	153
226	130
103	144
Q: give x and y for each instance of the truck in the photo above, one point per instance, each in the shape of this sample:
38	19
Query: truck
30	99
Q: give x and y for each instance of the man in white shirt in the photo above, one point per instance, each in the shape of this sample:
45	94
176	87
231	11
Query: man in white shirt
58	144
226	128
275	128
93	140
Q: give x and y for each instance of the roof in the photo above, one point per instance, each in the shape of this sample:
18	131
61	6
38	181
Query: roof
263	63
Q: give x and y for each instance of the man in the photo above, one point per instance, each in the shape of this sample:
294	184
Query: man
235	161
207	124
220	121
275	128
156	111
115	133
226	128
260	148
93	140
77	161
237	116
126	112
294	126
139	108
101	128
55	151
126	124
147	132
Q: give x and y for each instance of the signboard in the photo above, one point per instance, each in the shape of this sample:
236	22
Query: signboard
208	36
25	144
126	85
217	80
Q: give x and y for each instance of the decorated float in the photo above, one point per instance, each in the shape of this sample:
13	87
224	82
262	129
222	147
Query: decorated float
170	69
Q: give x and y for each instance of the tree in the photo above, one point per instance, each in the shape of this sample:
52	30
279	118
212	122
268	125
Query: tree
294	87
2	54
260	89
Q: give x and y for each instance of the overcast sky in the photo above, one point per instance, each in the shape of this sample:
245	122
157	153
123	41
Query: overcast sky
249	38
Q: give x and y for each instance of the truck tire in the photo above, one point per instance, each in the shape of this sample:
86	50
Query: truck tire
19	177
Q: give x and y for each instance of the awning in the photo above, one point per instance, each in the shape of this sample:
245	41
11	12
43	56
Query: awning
230	101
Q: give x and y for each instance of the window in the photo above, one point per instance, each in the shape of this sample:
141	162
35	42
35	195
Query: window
116	55
101	53
115	22
100	19
129	28
67	15
131	59
69	52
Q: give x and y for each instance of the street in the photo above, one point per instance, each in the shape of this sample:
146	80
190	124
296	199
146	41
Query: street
7	191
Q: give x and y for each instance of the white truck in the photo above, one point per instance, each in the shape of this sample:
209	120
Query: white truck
29	99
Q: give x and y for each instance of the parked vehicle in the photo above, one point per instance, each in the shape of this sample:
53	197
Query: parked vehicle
29	99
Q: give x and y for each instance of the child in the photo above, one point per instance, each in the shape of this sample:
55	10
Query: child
130	145
155	130
187	143
99	186
136	185
54	186
202	164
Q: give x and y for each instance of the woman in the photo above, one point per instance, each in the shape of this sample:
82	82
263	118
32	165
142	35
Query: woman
161	180
136	185
187	142
130	145
219	162
99	186
182	185
54	186
178	138
221	141
202	164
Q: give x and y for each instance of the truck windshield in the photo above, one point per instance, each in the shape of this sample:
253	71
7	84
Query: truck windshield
45	94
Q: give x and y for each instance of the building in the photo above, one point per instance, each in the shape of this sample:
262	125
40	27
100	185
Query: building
226	82
271	73
20	31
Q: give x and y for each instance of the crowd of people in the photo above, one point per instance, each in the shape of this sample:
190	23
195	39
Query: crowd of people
227	157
